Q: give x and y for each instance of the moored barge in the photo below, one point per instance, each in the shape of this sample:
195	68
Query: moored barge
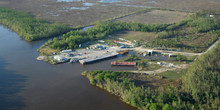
123	63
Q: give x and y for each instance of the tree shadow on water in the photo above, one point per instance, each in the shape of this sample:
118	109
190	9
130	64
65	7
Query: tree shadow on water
10	85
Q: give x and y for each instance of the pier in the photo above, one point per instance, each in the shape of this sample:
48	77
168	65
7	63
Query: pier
90	60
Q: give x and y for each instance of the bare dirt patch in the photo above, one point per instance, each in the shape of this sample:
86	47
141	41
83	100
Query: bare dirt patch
138	36
47	50
157	17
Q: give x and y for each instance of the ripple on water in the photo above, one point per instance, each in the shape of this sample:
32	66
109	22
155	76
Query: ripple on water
10	85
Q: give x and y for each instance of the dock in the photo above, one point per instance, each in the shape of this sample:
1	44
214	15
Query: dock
91	60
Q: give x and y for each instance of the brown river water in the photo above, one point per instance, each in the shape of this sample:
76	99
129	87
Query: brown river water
29	84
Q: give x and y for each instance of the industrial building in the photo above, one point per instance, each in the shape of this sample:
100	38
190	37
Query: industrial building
60	58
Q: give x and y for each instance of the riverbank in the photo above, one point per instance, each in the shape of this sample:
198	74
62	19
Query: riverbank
124	84
30	28
42	86
29	84
141	90
191	35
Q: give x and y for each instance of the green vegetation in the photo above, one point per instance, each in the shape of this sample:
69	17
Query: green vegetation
101	30
137	36
187	59
142	63
173	75
181	58
195	33
30	28
197	89
202	80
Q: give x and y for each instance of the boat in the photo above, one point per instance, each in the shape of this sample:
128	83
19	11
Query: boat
73	60
123	52
123	63
91	60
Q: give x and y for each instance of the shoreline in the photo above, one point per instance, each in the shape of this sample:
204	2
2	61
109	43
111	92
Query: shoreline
103	88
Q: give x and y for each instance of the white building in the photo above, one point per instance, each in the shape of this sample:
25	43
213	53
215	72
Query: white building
102	41
60	58
211	16
66	51
150	52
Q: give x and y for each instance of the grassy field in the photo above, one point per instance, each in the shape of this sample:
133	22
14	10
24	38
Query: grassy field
187	5
70	13
157	17
141	37
152	81
82	13
4	2
201	40
134	35
173	75
151	67
47	51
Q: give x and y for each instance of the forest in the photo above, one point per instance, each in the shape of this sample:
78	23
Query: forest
101	30
195	33
198	89
30	28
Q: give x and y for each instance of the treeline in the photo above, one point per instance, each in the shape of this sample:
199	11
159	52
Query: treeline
198	91
202	22
101	30
202	80
168	35
140	97
198	24
30	28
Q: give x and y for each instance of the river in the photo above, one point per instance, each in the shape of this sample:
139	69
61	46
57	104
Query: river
29	84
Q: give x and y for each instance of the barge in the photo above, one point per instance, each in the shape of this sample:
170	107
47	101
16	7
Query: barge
91	60
123	63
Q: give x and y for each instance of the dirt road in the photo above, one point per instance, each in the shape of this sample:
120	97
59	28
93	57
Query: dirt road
140	49
182	66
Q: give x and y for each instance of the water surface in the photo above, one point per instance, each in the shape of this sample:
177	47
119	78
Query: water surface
28	84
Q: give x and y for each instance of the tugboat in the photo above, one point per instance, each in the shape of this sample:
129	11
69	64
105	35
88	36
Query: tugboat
123	52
